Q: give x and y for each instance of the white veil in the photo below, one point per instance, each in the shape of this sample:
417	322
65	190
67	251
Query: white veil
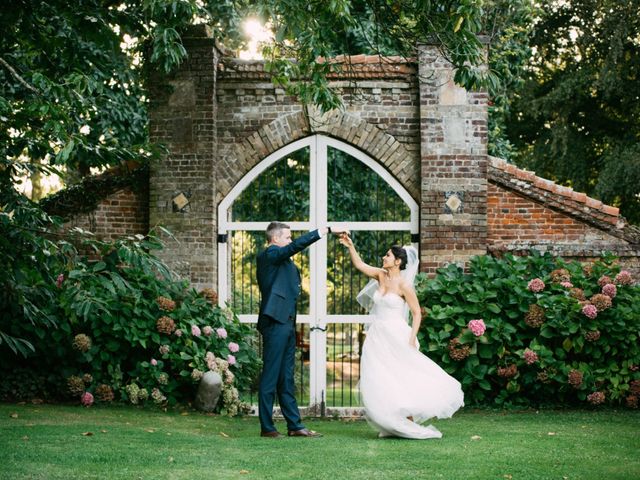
365	296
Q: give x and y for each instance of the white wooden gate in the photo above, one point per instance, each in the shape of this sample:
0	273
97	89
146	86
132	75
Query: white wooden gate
311	183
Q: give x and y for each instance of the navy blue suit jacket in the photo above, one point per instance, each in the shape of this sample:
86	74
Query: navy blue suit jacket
279	280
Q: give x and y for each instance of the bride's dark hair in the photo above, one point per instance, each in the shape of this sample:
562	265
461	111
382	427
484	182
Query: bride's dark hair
401	254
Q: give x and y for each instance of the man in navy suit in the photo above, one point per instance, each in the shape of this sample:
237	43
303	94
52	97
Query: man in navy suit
279	282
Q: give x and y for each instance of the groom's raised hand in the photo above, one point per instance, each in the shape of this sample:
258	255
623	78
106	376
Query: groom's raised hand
336	230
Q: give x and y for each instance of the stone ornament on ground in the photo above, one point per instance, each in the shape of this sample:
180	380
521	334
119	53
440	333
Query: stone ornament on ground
209	392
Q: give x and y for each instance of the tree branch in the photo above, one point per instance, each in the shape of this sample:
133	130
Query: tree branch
22	81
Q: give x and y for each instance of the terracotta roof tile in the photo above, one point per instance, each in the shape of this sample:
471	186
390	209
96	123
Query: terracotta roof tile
606	213
593	203
354	66
579	197
609	210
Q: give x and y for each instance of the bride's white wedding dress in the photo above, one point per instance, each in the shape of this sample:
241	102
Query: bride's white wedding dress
397	381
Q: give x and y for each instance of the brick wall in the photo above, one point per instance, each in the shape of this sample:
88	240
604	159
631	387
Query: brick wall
220	116
527	212
516	220
453	122
123	213
381	117
183	118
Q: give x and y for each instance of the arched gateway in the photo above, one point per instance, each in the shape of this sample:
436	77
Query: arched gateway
310	183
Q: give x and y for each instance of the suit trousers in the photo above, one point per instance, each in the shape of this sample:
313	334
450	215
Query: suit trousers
278	356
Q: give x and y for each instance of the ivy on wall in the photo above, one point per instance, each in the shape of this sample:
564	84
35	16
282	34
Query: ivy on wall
85	196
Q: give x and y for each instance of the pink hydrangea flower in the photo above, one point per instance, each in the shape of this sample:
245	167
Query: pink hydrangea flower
610	290
178	332
477	327
530	357
231	359
234	347
566	284
195	331
590	311
210	358
207	331
221	332
154	362
604	280
59	280
536	285
596	398
624	278
86	399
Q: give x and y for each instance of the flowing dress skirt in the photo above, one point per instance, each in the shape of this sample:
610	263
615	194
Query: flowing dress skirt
397	381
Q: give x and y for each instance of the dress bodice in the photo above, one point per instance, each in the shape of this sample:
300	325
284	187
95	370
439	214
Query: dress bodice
387	306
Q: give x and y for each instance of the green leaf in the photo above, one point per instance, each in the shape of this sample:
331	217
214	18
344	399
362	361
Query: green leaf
107	285
546	332
483	384
479	371
458	24
492	307
63	155
485	351
473	308
467	337
99	266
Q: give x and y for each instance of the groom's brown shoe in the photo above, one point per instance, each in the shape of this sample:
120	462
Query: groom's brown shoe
303	433
274	434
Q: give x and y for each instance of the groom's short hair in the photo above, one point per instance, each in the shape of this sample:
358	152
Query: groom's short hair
274	229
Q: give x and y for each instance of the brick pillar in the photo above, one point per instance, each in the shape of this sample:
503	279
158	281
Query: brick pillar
453	150
183	118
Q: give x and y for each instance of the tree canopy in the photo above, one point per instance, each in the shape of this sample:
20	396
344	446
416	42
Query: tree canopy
576	117
73	74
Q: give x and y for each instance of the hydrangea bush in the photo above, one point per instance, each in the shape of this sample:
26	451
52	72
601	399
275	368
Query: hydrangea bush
128	329
552	332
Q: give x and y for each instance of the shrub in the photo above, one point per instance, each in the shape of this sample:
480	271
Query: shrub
542	334
28	260
124	319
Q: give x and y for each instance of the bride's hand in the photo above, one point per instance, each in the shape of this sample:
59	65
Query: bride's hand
413	343
345	240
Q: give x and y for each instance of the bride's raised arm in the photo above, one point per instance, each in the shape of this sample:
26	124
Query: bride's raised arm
368	270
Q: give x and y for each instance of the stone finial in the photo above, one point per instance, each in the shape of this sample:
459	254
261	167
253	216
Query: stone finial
209	392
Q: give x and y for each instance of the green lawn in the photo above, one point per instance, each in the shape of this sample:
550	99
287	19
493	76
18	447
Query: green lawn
45	441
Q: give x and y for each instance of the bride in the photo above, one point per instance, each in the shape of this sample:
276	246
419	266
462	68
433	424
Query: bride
400	387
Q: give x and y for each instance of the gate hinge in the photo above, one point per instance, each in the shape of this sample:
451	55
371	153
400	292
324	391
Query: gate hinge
222	237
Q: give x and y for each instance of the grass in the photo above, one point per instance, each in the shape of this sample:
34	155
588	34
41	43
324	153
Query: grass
47	442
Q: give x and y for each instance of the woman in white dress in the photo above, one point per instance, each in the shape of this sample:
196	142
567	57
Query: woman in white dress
399	387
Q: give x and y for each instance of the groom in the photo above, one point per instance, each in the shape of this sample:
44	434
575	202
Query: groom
279	282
